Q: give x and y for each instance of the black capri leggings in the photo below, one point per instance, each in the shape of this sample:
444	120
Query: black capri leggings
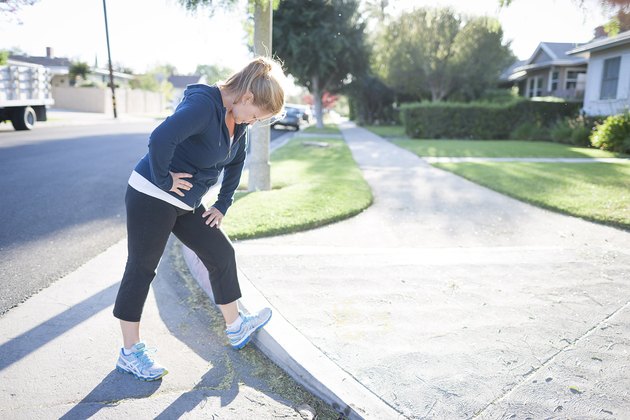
149	224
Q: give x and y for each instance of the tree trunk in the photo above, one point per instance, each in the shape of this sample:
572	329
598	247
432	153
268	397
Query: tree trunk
259	168
317	96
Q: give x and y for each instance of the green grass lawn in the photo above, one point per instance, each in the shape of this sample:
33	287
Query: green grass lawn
598	192
594	191
387	131
328	129
312	186
500	148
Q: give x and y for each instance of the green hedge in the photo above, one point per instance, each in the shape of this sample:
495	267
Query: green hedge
480	121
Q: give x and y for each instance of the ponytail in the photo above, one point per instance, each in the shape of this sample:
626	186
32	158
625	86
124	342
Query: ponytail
263	77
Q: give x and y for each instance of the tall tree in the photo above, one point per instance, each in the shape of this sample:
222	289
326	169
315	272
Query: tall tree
433	53
415	53
480	56
321	43
77	69
213	72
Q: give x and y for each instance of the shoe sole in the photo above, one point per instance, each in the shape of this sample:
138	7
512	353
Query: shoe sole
249	337
121	370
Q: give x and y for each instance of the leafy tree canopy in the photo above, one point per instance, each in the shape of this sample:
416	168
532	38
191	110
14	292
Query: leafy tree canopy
213	72
435	53
77	69
320	42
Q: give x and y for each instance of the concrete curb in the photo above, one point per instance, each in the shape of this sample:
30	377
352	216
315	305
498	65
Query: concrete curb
292	352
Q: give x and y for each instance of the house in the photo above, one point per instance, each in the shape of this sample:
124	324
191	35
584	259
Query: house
549	71
179	85
59	68
608	80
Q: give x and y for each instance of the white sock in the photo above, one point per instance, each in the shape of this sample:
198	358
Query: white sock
128	351
234	326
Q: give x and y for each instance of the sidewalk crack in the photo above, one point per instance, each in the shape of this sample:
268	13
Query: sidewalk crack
549	360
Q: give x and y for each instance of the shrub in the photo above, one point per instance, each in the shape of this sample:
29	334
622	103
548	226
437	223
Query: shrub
436	120
574	131
613	134
498	96
581	136
561	131
370	101
530	131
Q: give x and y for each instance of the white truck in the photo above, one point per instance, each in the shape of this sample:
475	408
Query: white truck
25	92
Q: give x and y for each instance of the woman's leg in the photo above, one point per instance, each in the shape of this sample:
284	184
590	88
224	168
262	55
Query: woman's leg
229	311
149	224
215	250
130	333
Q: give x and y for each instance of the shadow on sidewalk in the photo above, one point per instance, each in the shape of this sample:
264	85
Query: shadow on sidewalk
112	389
193	319
35	338
197	395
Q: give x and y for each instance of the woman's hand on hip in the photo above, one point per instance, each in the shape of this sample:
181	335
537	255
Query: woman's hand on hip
214	217
179	183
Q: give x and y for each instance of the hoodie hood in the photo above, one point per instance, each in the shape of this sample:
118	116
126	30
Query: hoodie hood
205	92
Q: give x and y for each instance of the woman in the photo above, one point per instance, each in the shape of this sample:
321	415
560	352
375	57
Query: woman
205	134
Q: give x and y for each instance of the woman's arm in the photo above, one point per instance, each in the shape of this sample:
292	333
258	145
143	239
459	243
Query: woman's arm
231	178
191	117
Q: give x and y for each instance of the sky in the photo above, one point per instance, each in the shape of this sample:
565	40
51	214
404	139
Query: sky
145	33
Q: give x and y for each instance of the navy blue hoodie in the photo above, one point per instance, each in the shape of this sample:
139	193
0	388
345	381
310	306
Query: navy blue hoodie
196	140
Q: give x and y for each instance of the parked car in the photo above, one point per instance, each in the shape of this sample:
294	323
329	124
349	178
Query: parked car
292	118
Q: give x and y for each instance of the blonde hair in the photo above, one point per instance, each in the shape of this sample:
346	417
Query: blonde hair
264	78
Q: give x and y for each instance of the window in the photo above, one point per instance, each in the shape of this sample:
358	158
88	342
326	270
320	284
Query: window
534	86
610	78
572	78
554	80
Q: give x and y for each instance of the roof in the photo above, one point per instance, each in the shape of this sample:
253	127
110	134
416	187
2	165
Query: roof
559	49
105	72
507	72
555	55
602	44
44	61
182	81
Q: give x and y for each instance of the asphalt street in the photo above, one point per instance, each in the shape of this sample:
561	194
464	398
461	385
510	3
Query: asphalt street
62	192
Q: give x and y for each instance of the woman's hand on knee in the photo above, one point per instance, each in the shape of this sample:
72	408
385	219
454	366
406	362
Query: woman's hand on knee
214	217
179	183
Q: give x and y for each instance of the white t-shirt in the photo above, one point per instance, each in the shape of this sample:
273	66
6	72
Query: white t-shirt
143	185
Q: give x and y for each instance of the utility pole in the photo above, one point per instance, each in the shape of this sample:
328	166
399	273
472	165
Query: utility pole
259	168
109	57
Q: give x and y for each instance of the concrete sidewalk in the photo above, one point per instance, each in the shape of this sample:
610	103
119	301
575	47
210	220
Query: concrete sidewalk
448	300
59	348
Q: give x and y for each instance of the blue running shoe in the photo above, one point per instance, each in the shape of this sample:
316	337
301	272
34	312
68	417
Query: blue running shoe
251	323
140	363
